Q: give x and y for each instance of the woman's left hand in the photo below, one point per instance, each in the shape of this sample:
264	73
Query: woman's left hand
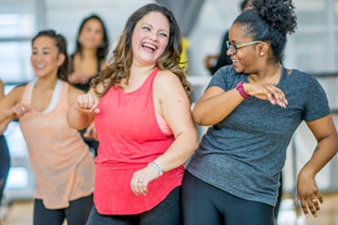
141	178
309	196
267	92
91	132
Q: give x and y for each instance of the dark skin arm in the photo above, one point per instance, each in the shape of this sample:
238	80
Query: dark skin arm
216	104
326	135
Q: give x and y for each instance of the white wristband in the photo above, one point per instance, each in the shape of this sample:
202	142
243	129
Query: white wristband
157	167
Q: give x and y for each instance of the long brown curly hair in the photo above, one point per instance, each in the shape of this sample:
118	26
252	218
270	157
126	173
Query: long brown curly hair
119	64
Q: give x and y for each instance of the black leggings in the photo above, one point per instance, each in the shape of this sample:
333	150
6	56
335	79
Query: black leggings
168	212
4	164
205	204
76	214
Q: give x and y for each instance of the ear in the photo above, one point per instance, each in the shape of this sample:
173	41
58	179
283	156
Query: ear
60	59
263	49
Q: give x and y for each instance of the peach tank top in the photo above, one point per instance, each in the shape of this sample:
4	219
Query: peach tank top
63	167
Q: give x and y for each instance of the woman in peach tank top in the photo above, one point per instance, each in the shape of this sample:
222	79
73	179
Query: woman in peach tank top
63	167
141	109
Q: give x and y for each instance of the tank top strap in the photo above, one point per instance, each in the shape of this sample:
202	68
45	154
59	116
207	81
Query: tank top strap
154	73
148	83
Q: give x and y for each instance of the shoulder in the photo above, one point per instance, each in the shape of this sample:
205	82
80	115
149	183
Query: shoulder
225	72
18	90
166	77
301	74
15	94
226	77
166	83
73	93
303	79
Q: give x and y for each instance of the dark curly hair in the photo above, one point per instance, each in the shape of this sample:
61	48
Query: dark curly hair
121	60
61	44
270	21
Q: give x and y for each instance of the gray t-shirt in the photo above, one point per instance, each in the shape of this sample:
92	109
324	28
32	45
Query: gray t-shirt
245	153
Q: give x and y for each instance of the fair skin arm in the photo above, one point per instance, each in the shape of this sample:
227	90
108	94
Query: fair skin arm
79	118
73	94
11	107
91	130
78	77
326	135
172	103
2	89
81	114
216	104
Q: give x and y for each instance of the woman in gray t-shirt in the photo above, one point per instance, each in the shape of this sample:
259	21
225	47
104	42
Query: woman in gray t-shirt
253	107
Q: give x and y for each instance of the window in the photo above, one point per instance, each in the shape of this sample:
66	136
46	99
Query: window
17	25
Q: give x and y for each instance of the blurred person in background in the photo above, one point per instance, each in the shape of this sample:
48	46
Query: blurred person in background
88	59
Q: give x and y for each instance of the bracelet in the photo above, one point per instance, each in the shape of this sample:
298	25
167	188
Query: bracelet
157	167
241	90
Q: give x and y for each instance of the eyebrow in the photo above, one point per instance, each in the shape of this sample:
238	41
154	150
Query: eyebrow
145	23
44	48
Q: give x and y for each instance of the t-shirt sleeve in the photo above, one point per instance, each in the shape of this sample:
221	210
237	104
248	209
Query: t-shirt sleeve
316	105
223	78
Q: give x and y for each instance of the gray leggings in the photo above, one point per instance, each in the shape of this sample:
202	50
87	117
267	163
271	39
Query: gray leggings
76	214
168	212
205	204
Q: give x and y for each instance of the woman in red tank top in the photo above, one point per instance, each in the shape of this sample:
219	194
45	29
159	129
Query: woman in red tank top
141	109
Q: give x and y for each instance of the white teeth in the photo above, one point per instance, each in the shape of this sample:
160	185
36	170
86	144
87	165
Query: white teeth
149	46
40	66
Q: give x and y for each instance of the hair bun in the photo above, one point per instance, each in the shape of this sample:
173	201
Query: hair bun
279	14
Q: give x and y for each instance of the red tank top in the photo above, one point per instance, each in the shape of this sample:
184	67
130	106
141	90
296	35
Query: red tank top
130	138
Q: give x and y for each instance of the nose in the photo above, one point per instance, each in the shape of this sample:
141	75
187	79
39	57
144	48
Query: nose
153	36
38	56
229	52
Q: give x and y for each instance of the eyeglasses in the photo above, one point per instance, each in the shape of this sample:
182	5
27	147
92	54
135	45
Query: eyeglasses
233	48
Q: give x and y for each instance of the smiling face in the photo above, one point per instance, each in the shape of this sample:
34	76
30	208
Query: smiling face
150	38
91	35
246	58
45	58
